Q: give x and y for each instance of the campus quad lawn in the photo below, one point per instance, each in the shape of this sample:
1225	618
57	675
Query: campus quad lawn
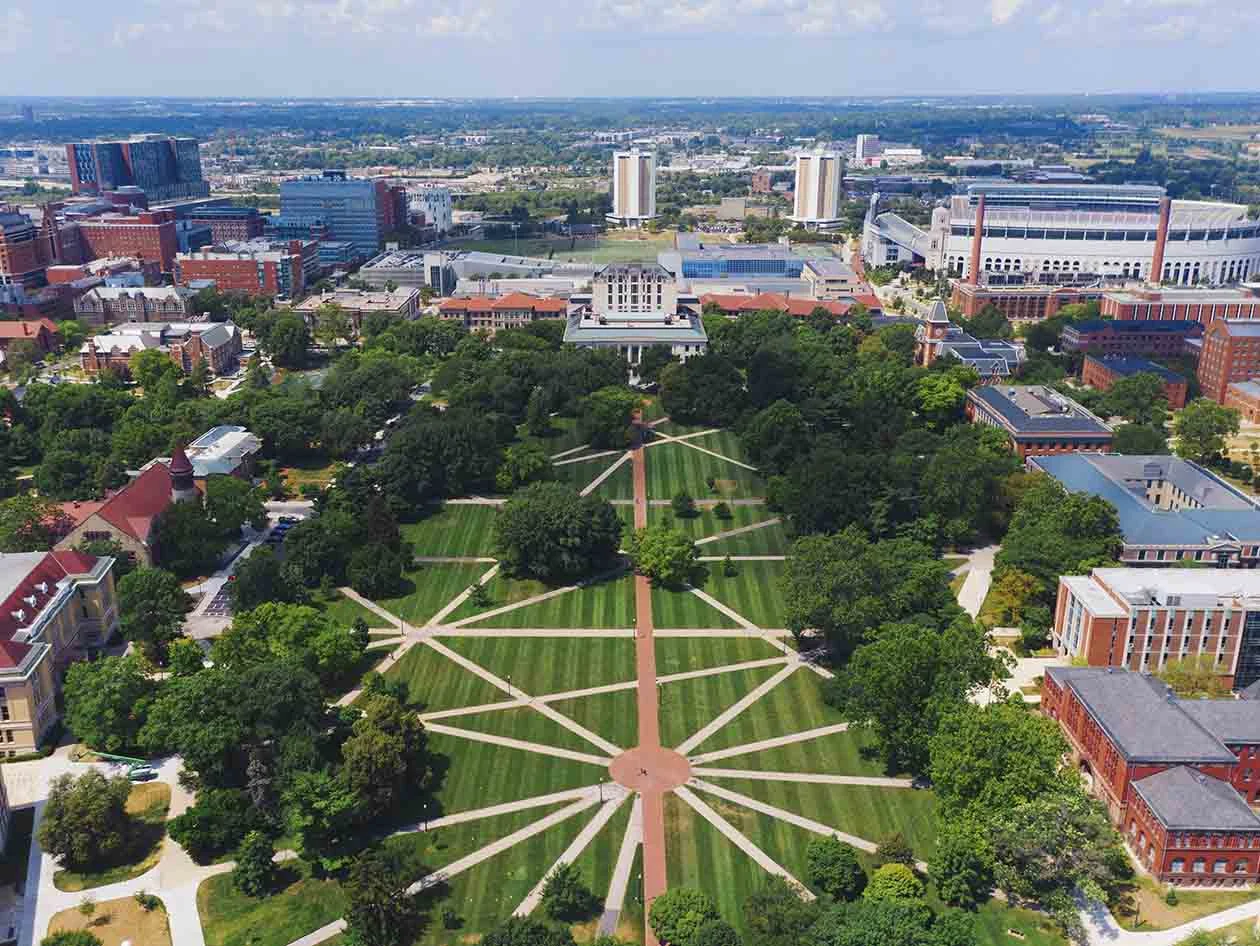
597	863
672	467
795	705
527	724
344	611
435	682
581	473
770	540
604	603
725	442
676	608
620	485
754	592
542	665
1155	914
681	654
147	805
427	589
994	919
615	716
705	523
842	753
459	531
689	705
562	436
301	905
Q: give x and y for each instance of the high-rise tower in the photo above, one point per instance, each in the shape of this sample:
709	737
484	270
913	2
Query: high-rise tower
633	188
819	179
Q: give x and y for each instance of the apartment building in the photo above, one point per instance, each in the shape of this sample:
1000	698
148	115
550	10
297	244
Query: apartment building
1231	353
1102	373
1039	420
516	309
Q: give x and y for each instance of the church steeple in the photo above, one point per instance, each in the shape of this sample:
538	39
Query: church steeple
182	485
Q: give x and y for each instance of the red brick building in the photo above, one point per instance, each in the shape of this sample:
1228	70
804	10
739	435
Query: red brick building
23	255
148	235
1166	339
1102	373
734	304
258	268
1018	303
1176	776
218	344
1244	397
229	224
1231	352
481	313
43	332
1198	305
1039	420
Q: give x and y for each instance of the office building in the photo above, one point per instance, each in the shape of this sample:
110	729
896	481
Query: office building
435	204
1113	337
1230	353
226	450
1177	776
332	206
217	344
1170	510
163	168
1073	234
633	188
148	235
634	306
58	607
819	187
103	305
1101	373
937	337
1142	618
258	267
866	148
228	224
1038	420
696	257
515	310
1017	301
1198	304
400	303
831	278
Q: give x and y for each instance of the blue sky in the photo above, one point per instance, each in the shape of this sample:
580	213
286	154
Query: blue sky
625	47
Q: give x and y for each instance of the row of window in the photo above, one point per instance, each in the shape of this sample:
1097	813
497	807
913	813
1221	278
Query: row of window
1199	866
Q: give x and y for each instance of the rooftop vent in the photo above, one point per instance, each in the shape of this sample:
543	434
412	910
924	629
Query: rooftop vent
19	616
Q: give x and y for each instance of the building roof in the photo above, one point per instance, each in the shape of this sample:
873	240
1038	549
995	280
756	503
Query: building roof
1248	292
363	300
1142	717
1184	799
1233	722
1226	514
1037	410
512	301
1129	365
26	329
134	507
1238	328
635	330
778	302
28	582
1248	388
221	450
1136	326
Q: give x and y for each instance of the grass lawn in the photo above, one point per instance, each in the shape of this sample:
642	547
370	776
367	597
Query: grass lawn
435	682
754	592
582	473
454	531
690	705
725	442
344	611
562	436
620	485
843	753
608	603
672	467
429	588
315	471
795	705
115	922
147	804
528	724
680	654
994	919
865	811
956	583
481	774
1152	913
615	716
674	429
771	540
680	608
487	894
597	862
302	905
541	665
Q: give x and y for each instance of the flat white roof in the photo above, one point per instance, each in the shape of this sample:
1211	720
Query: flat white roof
1187	582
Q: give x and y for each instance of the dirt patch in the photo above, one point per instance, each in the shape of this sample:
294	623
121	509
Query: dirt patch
148	795
116	921
726	487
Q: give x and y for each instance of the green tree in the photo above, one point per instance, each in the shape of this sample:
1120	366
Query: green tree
775	915
259	579
21	357
376	570
604	417
186	540
386	756
875	923
653	361
708	389
894	882
186	658
962	867
523	463
332	325
343	431
677	915
665	555
895	849
108	548
1139	399
30	523
287	341
1195	677
379	910
275	631
216	825
683	505
941	396
716	933
255	871
1139	440
85	825
106	702
151	609
149	366
538	413
232	502
565	897
524	931
547	531
71	938
776	436
834	868
1201	429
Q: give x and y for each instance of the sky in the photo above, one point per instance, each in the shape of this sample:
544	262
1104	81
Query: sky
451	48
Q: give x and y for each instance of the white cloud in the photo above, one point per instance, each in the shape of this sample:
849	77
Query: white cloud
15	29
1001	11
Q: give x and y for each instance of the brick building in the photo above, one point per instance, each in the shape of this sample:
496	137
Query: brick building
23	257
106	306
735	304
1170	510
1231	352
147	235
1244	397
229	224
400	303
218	344
1018	303
1199	305
514	310
1039	420
1166	339
259	267
1176	776
1102	373
1140	619
43	332
58	607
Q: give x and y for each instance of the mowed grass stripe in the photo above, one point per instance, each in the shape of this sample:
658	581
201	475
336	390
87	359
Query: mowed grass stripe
615	716
478	775
454	531
689	705
673	467
435	682
608	603
795	705
597	862
427	589
754	592
844	753
542	665
681	654
528	724
680	608
705	523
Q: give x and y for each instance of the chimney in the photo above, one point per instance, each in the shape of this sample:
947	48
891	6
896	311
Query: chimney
974	276
1161	239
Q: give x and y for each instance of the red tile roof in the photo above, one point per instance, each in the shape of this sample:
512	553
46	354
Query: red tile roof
513	300
476	303
49	570
134	507
79	511
27	329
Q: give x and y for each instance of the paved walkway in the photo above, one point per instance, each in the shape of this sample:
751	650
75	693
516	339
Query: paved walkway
453	560
738	707
620	881
1101	928
803	778
979	576
740	531
764	744
592	456
594	484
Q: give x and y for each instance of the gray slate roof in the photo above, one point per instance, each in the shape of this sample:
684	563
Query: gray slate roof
1235	722
1186	800
1029	410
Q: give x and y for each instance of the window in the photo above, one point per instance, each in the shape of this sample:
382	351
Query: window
1200	866
1240	867
1219	866
1178	865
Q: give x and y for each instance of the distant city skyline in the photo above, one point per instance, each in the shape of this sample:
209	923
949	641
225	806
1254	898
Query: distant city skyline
494	48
